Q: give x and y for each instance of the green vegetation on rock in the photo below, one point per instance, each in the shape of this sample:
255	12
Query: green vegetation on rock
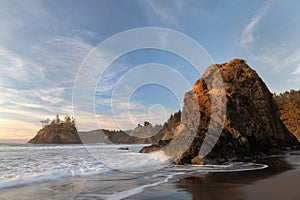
57	132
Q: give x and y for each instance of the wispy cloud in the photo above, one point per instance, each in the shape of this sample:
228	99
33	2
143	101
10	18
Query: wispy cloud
39	85
43	44
124	114
39	72
248	35
271	43
297	70
120	113
16	69
167	10
32	105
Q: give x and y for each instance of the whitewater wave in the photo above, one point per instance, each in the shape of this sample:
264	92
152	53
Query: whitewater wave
22	165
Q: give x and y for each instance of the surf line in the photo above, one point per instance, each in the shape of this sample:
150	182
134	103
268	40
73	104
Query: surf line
131	192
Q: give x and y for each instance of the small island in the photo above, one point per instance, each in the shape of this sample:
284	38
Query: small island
57	132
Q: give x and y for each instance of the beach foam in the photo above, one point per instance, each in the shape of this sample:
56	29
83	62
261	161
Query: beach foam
26	164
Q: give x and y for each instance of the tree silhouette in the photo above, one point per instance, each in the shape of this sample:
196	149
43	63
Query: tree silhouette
146	123
68	121
57	120
45	122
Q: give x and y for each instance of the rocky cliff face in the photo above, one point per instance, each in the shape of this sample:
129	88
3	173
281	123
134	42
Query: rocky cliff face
248	125
61	133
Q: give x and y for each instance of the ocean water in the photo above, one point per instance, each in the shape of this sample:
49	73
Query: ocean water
97	171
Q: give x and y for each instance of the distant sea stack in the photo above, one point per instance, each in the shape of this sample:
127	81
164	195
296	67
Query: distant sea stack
142	134
58	132
250	126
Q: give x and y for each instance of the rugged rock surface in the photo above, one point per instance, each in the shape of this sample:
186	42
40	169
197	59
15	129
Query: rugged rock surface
247	126
289	110
155	147
57	133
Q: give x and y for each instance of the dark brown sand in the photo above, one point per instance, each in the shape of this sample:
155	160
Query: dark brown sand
279	181
281	186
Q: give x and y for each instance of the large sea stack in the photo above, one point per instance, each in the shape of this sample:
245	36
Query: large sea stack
58	132
247	126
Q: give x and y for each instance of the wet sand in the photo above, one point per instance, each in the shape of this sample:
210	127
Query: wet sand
279	181
281	186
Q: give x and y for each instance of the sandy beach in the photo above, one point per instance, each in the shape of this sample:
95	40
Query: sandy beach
277	181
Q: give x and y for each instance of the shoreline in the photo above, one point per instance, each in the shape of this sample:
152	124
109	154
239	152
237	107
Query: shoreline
283	173
175	182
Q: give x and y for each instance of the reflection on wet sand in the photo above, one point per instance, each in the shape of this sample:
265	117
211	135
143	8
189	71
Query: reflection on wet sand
227	185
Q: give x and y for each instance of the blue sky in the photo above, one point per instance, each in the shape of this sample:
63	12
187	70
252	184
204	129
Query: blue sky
43	45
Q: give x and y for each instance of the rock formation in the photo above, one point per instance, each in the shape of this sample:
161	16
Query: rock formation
247	126
144	131
58	132
289	110
121	137
135	136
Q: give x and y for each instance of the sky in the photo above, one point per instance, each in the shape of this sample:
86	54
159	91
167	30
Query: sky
45	45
